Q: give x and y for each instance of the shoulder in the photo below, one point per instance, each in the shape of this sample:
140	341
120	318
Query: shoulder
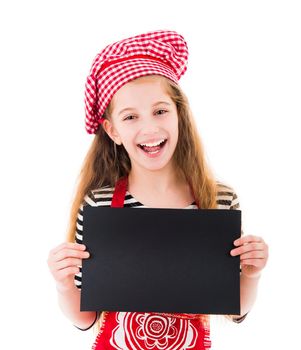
93	198
102	197
99	197
226	196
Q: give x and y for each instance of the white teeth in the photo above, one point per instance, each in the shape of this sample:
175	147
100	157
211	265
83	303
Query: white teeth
152	144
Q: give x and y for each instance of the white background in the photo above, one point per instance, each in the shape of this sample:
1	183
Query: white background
244	85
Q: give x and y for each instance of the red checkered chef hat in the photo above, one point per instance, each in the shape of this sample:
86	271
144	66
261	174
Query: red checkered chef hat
162	52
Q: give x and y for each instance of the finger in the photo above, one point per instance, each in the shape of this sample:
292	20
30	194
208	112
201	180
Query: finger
247	248
69	245
69	262
62	252
253	262
71	253
64	273
247	239
252	255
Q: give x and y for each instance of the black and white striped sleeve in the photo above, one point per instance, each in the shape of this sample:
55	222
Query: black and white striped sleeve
235	205
88	200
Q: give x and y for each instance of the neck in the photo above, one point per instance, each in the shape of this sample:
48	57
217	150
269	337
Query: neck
158	181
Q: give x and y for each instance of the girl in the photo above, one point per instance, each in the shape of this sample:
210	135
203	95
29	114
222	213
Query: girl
146	153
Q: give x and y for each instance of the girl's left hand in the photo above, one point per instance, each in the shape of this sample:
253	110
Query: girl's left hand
253	253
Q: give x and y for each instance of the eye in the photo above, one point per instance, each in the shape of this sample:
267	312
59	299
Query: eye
126	118
162	110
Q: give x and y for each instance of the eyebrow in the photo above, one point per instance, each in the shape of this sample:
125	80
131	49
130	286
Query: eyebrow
155	104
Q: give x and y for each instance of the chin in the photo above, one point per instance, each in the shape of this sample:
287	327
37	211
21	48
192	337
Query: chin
156	166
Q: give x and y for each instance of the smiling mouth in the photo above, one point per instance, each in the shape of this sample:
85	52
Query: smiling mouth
154	148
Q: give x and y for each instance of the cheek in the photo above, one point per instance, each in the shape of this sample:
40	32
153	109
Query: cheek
174	131
129	140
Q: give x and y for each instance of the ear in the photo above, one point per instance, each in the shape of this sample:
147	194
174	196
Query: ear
110	130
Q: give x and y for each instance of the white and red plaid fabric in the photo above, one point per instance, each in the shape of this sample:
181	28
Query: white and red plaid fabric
162	52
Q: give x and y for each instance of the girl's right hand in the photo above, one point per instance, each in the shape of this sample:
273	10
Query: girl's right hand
64	261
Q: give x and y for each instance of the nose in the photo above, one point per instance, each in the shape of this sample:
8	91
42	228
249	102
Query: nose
149	126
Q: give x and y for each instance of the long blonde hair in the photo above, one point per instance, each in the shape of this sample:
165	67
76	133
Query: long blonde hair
106	162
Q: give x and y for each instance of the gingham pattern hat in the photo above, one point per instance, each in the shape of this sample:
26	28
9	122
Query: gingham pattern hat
162	52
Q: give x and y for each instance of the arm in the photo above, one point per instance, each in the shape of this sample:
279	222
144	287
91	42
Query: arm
69	302
248	293
63	262
253	253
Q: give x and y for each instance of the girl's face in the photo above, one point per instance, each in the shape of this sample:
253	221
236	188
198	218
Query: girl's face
143	113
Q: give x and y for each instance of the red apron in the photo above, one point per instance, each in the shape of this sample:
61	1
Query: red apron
149	330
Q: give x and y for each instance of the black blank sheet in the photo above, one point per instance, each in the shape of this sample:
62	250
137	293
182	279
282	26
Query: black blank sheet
161	260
